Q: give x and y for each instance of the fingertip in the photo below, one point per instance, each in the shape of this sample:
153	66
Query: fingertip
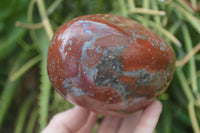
68	121
87	128
158	105
149	118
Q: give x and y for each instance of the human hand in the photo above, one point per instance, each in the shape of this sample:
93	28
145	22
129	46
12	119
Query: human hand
80	120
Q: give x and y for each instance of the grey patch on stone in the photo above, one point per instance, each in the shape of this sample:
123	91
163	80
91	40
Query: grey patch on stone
162	46
153	44
109	68
76	91
159	45
68	83
138	36
145	78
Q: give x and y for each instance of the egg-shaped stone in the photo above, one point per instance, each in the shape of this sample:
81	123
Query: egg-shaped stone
109	64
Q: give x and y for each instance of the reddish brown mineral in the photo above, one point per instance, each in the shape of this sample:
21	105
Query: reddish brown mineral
109	64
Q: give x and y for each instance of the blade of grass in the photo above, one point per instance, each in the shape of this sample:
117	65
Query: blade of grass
190	97
197	57
9	45
22	114
25	68
198	76
167	34
53	6
181	115
29	26
165	121
6	98
147	11
45	20
163	31
99	6
195	22
190	55
30	20
154	4
131	4
123	7
145	5
10	88
193	118
44	96
185	6
32	121
175	27
45	84
192	66
181	121
184	85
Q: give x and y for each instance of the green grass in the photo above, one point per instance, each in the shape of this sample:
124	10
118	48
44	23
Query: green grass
23	55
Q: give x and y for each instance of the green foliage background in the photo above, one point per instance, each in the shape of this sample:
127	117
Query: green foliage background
27	100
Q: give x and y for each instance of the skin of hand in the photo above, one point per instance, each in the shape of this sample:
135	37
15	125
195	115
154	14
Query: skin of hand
80	120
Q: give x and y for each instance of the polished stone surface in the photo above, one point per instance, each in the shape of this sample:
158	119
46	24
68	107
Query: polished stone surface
109	64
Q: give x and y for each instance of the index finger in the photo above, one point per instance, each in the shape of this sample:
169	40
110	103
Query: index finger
149	118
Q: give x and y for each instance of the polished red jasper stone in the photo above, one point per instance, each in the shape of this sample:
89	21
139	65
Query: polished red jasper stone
109	64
